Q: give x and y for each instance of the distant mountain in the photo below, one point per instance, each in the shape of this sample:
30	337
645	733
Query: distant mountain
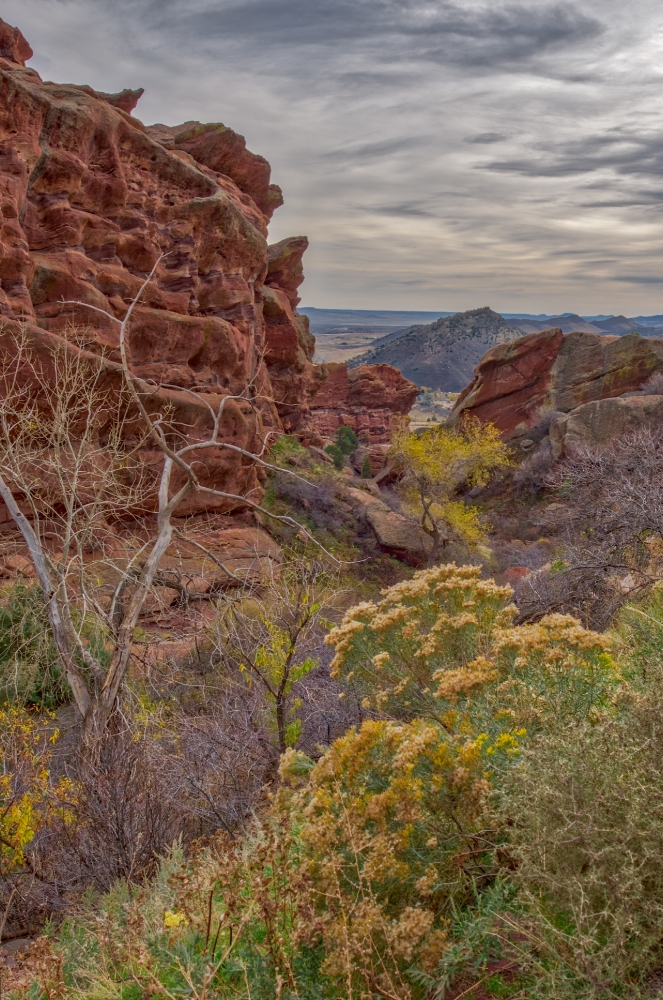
646	326
322	320
619	325
568	323
442	355
649	320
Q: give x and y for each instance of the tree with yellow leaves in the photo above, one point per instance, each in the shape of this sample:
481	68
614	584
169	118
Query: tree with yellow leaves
436	462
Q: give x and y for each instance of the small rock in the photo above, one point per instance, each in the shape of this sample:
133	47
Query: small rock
17	945
515	575
368	486
321	455
19	564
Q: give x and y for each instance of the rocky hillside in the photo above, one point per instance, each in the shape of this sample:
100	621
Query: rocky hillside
442	355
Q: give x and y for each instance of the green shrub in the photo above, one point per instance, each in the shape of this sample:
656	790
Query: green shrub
366	470
346	439
336	455
640	628
585	817
30	671
286	448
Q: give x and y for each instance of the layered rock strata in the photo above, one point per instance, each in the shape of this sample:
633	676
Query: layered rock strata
370	399
549	370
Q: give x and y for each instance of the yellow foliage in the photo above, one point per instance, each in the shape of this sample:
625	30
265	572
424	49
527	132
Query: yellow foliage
442	645
390	814
25	749
174	919
435	463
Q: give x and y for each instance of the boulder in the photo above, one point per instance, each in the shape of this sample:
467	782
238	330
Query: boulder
601	421
396	535
512	382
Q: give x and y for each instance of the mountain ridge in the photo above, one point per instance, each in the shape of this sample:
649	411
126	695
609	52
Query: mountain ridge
443	354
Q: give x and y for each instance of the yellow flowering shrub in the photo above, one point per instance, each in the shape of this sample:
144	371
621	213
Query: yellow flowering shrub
25	749
554	668
429	634
390	821
443	645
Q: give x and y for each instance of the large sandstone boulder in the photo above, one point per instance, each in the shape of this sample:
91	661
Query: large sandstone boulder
396	535
601	421
513	381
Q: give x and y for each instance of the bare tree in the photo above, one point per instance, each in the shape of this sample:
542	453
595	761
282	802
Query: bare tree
608	524
70	437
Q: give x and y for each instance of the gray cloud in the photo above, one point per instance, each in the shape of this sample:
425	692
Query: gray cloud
475	37
374	150
626	153
382	120
485	138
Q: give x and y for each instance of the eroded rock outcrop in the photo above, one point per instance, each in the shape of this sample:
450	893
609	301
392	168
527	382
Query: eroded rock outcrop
92	200
369	399
289	343
512	382
600	422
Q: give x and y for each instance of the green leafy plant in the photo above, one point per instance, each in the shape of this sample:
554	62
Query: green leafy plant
265	641
346	439
366	470
30	670
336	456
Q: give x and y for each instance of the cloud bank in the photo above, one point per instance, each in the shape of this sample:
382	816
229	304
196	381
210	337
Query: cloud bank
439	154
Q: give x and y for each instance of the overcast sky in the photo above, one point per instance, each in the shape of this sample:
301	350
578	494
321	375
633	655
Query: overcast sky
439	154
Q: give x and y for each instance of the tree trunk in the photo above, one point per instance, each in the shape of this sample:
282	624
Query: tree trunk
71	669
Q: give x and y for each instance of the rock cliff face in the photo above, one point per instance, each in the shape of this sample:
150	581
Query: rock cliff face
92	200
369	399
513	381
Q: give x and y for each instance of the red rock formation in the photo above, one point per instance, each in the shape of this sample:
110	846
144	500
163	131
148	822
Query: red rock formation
513	381
289	344
91	200
368	399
